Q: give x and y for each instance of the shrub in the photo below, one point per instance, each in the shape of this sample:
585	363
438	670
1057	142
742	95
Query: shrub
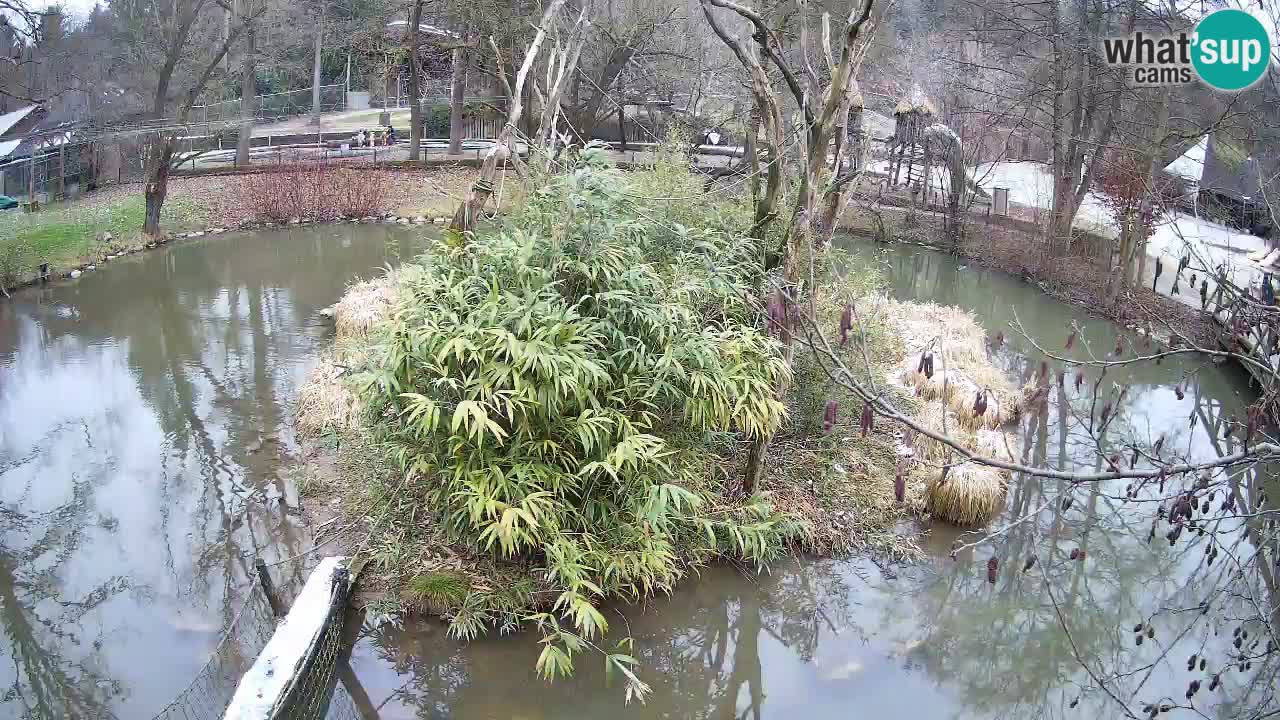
315	189
17	263
555	388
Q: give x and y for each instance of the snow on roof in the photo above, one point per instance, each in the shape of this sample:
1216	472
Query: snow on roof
8	146
8	120
424	28
1190	165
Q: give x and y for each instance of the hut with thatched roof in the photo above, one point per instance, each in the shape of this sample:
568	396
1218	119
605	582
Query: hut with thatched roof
912	115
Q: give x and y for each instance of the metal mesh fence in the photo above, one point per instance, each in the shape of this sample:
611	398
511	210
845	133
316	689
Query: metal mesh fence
209	693
274	106
309	693
315	692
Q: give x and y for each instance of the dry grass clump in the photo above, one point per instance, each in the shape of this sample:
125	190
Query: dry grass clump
365	305
325	402
971	494
961	365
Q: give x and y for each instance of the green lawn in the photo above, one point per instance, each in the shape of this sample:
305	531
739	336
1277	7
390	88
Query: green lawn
65	234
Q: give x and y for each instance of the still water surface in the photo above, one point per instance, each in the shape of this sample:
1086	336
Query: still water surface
147	455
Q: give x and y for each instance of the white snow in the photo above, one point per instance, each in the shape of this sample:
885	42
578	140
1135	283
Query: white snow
262	686
1190	165
7	147
1207	244
1031	184
424	28
8	120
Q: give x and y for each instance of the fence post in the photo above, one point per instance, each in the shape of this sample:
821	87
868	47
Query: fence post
62	170
264	578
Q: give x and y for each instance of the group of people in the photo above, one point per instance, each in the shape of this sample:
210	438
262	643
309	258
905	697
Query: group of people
377	136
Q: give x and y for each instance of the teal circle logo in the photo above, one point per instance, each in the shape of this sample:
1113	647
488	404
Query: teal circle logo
1231	50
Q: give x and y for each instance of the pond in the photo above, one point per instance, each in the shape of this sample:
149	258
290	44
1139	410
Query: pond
148	454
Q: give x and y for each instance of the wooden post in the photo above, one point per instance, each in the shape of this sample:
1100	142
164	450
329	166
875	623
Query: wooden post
264	579
62	170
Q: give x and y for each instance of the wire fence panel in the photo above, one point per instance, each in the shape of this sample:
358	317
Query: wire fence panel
275	106
310	691
207	696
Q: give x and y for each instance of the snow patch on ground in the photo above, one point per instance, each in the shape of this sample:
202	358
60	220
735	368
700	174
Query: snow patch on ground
1031	184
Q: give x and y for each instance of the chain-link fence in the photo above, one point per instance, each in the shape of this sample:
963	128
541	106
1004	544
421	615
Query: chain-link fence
207	696
317	690
309	692
275	106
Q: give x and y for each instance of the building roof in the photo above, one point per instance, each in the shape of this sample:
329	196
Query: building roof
1190	164
1230	170
8	146
8	120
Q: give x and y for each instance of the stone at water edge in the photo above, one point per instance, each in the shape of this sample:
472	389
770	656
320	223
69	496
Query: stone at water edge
90	267
74	274
105	237
402	221
419	220
218	231
440	221
295	221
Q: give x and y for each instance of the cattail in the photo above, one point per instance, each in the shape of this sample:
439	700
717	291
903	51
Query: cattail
993	568
1030	563
846	324
868	418
829	416
980	404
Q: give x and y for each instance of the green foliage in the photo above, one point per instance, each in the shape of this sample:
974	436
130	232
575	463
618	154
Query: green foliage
555	390
17	261
440	589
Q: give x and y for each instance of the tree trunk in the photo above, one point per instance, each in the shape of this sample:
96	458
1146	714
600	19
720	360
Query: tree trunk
315	69
157	186
457	90
248	88
415	78
472	206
